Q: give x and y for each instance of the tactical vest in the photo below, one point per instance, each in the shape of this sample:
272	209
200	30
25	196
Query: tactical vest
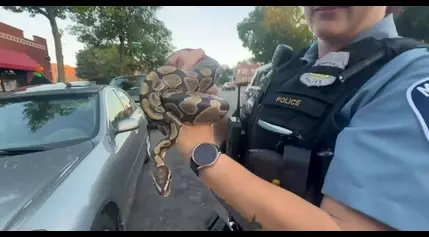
296	116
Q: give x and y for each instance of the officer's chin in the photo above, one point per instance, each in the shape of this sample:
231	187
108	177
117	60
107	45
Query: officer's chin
330	32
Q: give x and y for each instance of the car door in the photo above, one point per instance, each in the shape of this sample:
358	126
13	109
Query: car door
120	143
137	142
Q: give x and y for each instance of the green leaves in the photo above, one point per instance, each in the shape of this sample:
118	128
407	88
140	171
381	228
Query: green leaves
413	23
119	39
100	63
143	40
226	74
266	27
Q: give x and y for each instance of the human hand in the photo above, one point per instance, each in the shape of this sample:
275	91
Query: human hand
188	59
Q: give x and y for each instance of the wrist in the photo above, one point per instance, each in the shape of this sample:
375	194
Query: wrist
187	149
214	170
191	136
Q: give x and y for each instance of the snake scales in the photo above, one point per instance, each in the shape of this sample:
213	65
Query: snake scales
169	97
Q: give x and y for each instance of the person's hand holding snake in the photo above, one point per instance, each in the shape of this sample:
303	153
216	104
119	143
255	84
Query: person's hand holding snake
178	100
191	135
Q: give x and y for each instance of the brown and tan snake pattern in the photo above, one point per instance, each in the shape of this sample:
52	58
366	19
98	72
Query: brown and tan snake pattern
169	97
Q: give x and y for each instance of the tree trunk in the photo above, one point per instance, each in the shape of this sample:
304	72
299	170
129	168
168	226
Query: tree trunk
121	55
58	46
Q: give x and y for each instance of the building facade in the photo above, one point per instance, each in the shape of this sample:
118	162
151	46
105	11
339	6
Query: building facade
20	56
244	72
69	71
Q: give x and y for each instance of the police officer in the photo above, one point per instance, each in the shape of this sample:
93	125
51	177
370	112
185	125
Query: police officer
377	179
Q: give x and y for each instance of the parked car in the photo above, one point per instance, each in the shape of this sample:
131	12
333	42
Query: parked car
71	155
254	88
130	84
228	86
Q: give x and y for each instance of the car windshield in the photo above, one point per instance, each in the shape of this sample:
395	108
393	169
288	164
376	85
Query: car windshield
47	121
130	84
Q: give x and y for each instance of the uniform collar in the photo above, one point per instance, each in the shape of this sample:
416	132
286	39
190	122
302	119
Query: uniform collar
383	29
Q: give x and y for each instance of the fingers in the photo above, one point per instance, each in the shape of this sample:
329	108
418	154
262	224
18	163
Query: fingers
186	58
193	58
172	60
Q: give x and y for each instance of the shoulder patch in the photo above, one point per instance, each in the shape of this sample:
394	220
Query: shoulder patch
418	99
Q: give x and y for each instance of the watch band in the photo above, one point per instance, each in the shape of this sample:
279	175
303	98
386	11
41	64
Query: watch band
194	166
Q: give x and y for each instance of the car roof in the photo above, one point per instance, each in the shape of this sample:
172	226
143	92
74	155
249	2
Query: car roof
53	89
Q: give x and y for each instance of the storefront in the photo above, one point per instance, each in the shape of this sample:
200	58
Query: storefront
10	79
19	58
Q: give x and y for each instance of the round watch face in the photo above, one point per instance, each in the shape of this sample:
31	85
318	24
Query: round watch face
205	154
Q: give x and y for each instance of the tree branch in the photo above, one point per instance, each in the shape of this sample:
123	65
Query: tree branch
40	11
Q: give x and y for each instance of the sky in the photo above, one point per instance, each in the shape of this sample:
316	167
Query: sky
212	28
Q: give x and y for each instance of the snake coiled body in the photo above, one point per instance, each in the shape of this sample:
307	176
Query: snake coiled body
169	97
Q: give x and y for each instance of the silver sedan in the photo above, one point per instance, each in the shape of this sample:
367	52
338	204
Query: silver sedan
70	157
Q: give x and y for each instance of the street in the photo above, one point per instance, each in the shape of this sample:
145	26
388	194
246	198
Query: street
189	204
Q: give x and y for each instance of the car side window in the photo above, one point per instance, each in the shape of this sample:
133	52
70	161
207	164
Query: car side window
115	109
126	101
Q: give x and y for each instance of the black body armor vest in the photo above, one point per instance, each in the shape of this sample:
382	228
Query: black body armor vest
308	116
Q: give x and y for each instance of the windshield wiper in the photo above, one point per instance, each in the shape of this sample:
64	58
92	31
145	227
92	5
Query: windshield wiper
21	150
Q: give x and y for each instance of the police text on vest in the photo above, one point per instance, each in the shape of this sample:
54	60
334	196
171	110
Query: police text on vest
288	101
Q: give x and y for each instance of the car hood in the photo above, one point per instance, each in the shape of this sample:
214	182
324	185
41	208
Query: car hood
27	180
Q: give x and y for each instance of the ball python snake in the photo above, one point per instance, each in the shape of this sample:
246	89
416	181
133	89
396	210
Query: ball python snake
169	97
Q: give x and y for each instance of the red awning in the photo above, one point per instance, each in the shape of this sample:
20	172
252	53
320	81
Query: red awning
15	60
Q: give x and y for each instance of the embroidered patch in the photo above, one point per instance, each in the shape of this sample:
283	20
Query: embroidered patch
418	99
333	59
315	79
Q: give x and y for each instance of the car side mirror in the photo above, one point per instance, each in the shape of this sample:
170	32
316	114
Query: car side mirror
127	125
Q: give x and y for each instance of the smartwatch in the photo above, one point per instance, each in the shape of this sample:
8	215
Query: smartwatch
203	155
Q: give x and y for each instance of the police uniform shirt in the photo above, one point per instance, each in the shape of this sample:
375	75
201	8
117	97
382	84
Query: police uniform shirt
381	162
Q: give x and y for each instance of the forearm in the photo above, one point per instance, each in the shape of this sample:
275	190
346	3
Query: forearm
272	207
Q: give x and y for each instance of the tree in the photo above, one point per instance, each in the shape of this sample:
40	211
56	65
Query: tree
248	61
267	27
100	63
413	23
288	22
226	75
52	13
152	49
134	28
